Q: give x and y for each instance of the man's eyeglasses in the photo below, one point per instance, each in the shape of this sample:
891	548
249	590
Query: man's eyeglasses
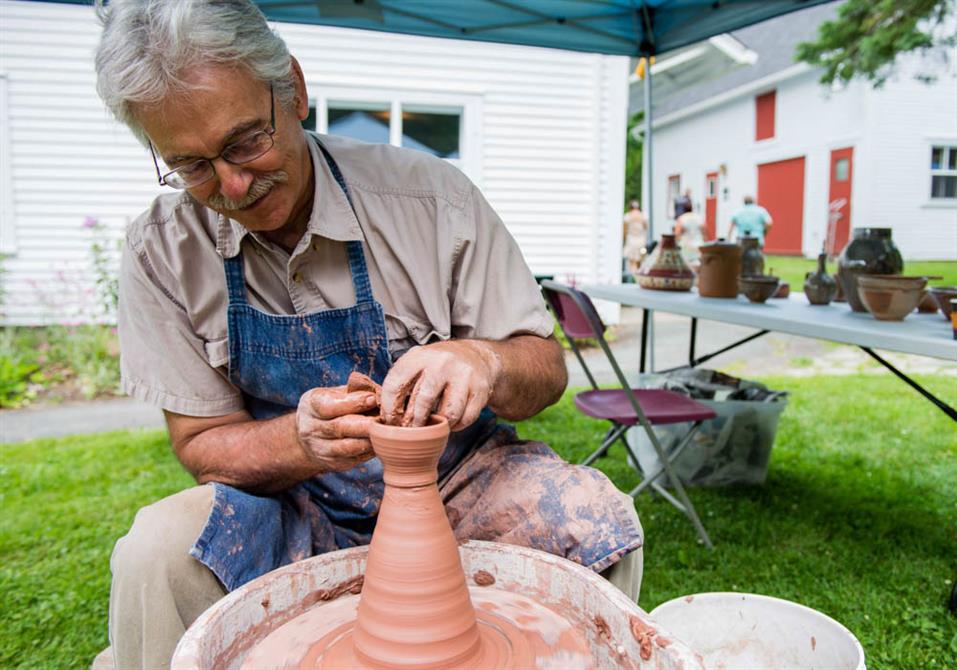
244	150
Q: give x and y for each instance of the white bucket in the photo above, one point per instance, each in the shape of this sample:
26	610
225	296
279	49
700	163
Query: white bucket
741	631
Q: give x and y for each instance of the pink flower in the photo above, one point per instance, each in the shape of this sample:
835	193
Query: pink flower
90	222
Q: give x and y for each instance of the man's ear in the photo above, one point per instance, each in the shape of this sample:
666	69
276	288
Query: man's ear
301	101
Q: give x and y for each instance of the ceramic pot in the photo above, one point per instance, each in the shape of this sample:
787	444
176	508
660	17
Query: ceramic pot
927	304
720	268
758	288
819	286
875	249
665	269
890	297
943	295
752	260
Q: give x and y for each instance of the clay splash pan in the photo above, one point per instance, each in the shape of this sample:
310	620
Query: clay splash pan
617	633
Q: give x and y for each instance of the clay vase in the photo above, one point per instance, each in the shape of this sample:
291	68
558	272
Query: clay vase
665	269
720	268
415	610
752	260
820	287
876	250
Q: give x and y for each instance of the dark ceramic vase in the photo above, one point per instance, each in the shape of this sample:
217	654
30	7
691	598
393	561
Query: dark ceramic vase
819	286
752	260
871	251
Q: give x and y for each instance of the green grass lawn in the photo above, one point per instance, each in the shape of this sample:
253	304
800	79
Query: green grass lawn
793	268
858	519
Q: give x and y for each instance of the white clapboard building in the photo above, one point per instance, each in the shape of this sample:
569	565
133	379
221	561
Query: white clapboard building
541	131
822	160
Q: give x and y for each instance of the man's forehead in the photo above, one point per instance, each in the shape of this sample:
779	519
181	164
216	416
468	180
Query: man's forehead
214	104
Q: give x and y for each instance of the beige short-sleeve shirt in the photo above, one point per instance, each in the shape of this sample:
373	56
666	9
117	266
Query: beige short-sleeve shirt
441	264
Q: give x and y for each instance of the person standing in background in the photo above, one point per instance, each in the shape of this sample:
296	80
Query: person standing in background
752	219
683	204
689	233
635	235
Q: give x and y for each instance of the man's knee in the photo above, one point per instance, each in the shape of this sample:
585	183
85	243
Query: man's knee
162	533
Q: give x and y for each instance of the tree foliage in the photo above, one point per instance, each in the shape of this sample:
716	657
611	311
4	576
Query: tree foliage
868	35
633	157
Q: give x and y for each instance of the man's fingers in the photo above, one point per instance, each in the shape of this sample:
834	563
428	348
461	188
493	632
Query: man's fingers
329	404
348	426
347	453
422	401
473	408
453	403
396	390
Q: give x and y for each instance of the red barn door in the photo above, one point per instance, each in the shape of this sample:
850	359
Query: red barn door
839	200
710	205
781	192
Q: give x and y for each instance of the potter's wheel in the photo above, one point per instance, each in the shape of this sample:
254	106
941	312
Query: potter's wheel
516	632
618	634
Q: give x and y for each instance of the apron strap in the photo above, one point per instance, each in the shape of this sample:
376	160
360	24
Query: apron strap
235	279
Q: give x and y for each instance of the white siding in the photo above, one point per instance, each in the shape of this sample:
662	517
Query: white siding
547	143
891	130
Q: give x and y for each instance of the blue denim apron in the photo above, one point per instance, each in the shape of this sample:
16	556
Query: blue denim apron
274	359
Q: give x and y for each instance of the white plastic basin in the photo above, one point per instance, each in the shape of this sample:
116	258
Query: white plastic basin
744	631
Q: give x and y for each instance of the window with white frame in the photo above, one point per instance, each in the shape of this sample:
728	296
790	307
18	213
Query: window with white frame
438	129
943	172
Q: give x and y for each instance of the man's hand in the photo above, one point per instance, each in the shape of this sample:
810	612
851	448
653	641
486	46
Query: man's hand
333	429
454	379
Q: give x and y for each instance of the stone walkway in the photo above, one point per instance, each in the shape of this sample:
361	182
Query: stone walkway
772	354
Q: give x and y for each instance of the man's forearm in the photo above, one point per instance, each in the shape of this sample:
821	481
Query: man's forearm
531	376
260	456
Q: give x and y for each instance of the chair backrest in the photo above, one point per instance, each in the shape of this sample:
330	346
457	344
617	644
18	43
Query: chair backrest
578	318
574	311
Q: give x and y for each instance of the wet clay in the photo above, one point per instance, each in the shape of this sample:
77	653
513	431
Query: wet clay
415	610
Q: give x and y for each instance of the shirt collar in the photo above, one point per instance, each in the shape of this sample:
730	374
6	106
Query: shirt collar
332	216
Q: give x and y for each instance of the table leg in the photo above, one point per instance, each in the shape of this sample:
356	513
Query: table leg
694	336
944	407
645	317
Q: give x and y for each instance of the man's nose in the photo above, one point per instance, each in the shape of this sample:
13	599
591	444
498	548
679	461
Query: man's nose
234	180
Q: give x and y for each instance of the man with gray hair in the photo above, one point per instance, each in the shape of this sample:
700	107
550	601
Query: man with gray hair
283	262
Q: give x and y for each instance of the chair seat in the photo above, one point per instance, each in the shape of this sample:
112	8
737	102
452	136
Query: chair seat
661	407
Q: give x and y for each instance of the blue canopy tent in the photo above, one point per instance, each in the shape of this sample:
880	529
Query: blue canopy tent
620	27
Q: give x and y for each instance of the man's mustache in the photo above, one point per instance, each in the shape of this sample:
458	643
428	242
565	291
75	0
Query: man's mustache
259	188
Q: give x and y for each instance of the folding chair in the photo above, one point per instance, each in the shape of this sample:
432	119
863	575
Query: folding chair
626	407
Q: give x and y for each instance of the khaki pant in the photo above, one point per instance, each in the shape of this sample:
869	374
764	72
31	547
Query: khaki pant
159	589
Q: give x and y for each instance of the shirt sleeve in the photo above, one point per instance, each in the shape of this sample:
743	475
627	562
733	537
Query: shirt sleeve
494	295
162	360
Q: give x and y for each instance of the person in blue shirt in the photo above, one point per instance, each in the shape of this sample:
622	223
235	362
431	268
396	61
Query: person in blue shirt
752	219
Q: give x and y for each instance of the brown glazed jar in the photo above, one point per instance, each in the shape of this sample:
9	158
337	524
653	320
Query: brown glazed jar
720	267
871	251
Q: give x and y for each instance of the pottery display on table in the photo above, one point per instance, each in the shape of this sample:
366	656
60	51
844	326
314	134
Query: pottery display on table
820	287
720	269
871	251
665	269
783	290
752	260
890	297
943	295
927	304
758	288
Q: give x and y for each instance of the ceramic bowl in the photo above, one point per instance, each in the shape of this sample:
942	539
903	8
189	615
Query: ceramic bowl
759	288
890	297
943	295
927	304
